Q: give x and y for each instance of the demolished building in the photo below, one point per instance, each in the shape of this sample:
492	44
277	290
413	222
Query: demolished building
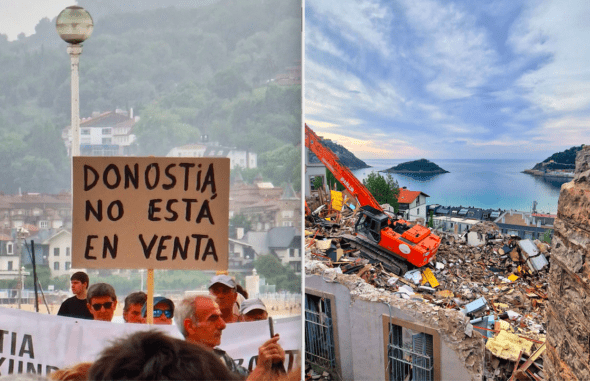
568	332
491	306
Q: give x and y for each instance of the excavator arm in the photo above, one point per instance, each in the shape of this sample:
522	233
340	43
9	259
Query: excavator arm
343	174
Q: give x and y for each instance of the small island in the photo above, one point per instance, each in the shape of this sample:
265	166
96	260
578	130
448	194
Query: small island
418	167
560	165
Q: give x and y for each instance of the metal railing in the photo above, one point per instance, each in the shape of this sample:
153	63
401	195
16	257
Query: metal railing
319	333
415	359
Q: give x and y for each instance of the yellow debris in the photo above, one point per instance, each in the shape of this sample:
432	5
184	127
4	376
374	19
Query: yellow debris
512	277
507	346
428	275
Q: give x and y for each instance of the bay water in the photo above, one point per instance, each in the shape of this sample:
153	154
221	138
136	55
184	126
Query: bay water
481	183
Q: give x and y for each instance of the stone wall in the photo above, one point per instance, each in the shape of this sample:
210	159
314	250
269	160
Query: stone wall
568	314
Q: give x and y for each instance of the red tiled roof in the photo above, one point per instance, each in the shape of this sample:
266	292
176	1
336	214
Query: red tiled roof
407	196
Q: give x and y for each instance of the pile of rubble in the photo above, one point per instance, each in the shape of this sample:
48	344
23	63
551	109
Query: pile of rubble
498	282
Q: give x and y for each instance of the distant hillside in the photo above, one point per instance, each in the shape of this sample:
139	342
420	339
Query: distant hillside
561	160
346	157
421	166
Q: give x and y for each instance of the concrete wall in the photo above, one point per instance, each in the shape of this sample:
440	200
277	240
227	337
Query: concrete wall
359	334
568	314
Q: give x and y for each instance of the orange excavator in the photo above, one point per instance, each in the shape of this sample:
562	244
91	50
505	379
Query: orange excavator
380	236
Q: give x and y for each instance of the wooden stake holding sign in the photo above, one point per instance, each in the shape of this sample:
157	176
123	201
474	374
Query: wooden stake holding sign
150	213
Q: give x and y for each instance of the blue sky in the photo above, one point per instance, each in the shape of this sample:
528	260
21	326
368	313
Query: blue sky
410	79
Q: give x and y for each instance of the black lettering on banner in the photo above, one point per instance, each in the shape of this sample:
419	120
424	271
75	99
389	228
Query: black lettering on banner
209	179
31	368
147	250
174	215
170	176
186	167
111	248
27	346
198	238
132	177
188	202
210	250
161	247
120	210
90	209
198	185
105	177
149	185
2	333
153	209
89	246
13	344
178	248
88	186
205	212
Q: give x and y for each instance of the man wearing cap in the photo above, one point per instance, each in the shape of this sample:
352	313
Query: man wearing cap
102	301
223	288
163	310
253	310
76	305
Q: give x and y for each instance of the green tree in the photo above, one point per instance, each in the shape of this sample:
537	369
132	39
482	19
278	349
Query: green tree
331	180
547	236
275	273
158	131
384	189
431	219
318	182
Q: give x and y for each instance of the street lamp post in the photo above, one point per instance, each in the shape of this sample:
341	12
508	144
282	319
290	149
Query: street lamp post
74	25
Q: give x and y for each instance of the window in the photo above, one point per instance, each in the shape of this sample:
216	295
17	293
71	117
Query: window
411	349
67	252
418	211
106	131
287	214
43	224
106	140
68	265
56	251
85	131
9	265
320	348
56	266
10	248
287	223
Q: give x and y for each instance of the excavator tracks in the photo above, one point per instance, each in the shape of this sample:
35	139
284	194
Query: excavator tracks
373	252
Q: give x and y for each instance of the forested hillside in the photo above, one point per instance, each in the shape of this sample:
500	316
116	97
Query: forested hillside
185	72
560	160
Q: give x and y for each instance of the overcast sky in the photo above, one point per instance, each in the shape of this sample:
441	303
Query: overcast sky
21	16
448	79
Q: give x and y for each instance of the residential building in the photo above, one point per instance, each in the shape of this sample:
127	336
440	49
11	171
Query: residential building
285	243
412	204
313	168
9	257
526	225
105	134
237	158
460	219
59	258
35	211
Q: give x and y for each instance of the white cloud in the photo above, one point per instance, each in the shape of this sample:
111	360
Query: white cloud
454	50
555	33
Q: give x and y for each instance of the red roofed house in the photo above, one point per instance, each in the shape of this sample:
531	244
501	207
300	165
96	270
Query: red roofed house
412	204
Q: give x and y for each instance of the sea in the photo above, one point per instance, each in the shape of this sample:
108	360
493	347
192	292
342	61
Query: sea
481	183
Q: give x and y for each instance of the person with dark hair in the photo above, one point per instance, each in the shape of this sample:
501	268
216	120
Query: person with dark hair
152	355
102	301
132	308
76	305
199	320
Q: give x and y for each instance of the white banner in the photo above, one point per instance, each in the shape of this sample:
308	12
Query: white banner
40	343
242	340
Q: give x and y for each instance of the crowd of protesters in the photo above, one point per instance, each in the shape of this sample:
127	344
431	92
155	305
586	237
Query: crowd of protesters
152	355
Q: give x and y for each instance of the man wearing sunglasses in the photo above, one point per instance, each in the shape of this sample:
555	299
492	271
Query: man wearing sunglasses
163	310
102	301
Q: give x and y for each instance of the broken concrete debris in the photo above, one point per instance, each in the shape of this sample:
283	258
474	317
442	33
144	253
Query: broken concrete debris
498	282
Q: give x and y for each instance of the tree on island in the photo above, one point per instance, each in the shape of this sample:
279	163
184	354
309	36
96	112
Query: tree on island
384	189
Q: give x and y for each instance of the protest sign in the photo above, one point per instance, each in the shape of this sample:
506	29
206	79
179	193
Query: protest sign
39	343
150	213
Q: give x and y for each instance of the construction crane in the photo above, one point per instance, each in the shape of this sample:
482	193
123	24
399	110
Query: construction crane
379	236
